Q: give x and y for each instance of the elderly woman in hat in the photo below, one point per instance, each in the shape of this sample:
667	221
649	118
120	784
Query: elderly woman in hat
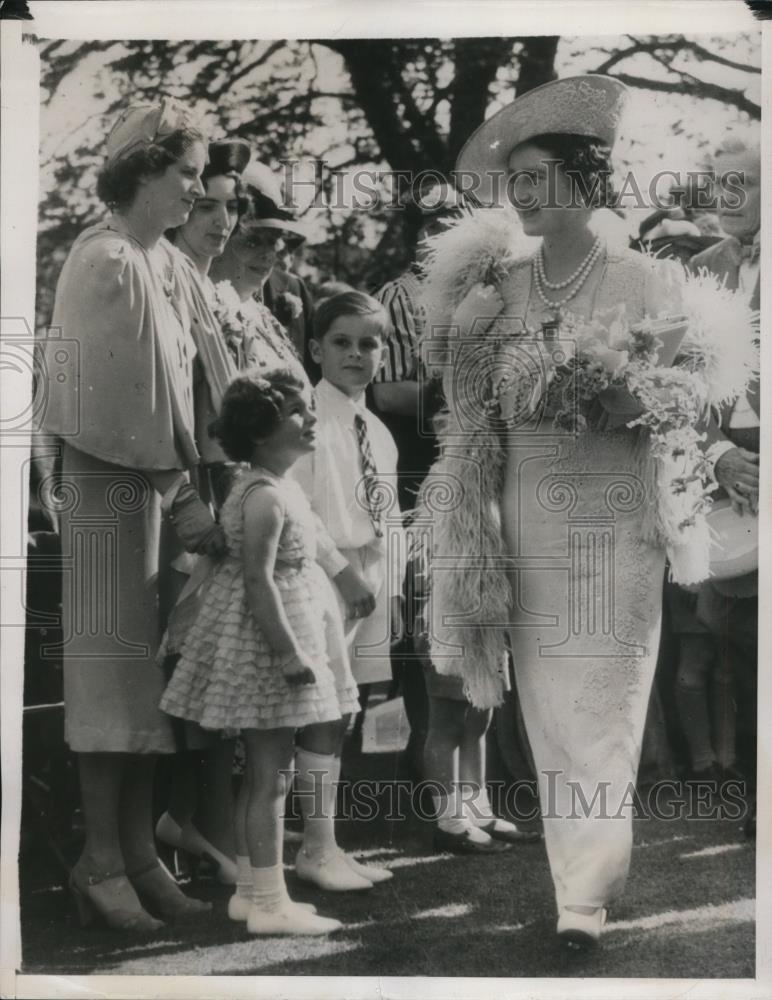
254	336
565	512
125	419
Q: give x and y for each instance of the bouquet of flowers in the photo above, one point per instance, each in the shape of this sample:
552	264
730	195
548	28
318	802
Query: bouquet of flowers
227	309
663	374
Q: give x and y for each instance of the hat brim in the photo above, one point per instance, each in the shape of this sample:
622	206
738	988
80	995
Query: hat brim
734	547
284	225
589	105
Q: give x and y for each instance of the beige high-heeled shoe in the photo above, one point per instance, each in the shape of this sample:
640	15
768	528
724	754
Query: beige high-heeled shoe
110	897
161	894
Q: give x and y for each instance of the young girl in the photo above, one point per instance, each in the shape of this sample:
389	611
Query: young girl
256	657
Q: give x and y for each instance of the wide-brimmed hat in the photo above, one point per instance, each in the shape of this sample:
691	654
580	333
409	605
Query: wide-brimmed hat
267	210
734	546
590	105
142	125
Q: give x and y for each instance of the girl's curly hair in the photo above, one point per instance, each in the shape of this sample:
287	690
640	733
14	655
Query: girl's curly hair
118	183
251	409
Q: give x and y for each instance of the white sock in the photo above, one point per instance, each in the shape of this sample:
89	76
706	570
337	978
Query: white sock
476	805
317	793
452	819
269	889
244	885
449	816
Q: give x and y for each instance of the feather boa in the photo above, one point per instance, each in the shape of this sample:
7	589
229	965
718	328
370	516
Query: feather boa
472	605
470	592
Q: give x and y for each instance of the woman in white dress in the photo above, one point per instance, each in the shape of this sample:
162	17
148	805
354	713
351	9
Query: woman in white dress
567	512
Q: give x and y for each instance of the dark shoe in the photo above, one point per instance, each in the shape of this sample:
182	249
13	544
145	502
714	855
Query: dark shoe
461	843
510	833
110	897
161	894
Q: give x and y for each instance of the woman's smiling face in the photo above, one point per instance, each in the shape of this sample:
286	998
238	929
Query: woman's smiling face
213	218
257	249
540	191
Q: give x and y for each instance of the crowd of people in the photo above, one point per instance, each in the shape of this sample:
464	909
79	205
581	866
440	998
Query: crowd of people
243	497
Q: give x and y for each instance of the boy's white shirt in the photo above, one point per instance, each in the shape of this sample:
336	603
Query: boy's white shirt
328	477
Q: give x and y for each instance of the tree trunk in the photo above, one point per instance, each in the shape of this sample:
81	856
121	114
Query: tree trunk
537	63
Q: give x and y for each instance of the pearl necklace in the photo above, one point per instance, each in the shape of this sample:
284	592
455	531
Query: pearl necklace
577	279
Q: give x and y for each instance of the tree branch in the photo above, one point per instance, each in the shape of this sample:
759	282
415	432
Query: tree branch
700	89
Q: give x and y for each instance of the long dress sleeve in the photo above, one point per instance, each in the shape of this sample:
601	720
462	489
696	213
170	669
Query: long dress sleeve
127	398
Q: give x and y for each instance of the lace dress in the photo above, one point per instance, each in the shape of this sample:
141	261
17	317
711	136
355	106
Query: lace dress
587	589
228	676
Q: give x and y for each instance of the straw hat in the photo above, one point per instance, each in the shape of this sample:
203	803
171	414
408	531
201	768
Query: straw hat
267	211
734	547
589	105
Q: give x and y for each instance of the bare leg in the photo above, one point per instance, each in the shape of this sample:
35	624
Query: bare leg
446	731
269	757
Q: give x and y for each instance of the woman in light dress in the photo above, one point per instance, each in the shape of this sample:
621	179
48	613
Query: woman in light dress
567	512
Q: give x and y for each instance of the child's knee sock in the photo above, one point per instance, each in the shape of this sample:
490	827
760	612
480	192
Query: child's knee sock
317	791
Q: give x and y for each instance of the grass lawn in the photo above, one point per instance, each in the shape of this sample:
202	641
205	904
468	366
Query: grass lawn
688	912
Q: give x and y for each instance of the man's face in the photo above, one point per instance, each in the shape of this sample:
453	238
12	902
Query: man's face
739	193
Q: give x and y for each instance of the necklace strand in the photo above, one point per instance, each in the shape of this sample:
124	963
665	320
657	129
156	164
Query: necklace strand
577	279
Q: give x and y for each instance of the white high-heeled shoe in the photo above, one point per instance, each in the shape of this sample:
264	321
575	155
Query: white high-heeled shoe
187	838
581	930
329	871
371	872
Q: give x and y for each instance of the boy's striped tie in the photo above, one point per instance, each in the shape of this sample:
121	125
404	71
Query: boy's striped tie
369	473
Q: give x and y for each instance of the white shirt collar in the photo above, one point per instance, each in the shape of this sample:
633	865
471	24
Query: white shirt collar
340	404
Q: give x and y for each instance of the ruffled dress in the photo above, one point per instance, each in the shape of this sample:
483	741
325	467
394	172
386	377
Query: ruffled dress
228	675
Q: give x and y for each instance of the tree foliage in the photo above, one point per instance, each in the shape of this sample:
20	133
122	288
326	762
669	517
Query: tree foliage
401	105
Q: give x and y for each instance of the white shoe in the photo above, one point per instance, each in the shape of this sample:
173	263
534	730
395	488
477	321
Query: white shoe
187	838
370	872
239	907
329	871
289	920
581	930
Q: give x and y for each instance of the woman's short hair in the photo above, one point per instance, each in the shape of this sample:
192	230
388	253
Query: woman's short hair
586	160
351	303
251	410
118	182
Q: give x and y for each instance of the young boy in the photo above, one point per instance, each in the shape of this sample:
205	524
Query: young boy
351	473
